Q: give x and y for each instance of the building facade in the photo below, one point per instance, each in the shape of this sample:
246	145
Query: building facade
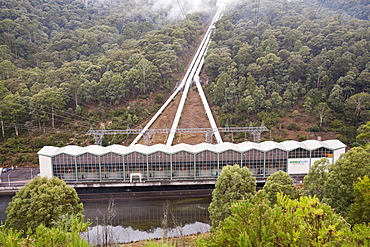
203	161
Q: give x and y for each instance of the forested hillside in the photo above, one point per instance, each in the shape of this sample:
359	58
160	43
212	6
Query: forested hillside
68	65
296	65
301	67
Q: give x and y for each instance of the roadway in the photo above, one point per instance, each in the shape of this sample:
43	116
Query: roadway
18	177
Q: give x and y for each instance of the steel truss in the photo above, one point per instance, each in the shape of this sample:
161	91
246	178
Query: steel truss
208	132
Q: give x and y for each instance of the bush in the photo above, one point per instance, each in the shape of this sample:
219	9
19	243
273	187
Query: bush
314	128
303	222
302	138
293	126
280	182
234	183
159	98
62	235
42	201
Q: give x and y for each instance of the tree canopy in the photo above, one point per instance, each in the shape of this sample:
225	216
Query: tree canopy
333	183
360	210
234	183
42	202
299	54
280	182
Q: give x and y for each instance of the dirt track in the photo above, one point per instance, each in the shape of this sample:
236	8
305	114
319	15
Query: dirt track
193	116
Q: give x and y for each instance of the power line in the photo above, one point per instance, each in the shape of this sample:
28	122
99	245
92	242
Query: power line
41	116
182	8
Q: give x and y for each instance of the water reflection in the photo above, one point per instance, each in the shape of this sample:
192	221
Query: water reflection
134	220
4	202
119	234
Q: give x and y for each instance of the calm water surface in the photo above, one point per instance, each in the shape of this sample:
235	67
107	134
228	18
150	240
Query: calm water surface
133	220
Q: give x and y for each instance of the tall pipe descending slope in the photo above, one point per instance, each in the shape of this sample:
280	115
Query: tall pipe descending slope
194	71
194	68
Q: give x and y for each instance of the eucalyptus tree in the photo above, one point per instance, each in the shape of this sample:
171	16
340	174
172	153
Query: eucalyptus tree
360	209
363	136
357	107
280	182
314	181
233	184
338	187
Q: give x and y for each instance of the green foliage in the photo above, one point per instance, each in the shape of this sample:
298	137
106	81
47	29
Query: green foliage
296	63
61	235
161	244
338	187
233	184
303	222
159	98
357	107
293	126
42	202
363	131
58	57
314	181
360	209
280	182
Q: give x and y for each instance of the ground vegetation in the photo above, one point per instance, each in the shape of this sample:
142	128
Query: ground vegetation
300	222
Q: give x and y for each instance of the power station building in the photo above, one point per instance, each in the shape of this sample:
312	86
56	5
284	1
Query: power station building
203	161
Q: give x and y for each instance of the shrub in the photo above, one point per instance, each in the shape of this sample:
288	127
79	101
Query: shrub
293	126
303	222
234	183
159	98
67	233
42	201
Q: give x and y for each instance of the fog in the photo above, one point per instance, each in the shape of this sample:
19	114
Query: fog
179	8
175	9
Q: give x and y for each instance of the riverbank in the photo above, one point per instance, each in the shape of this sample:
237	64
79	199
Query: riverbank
184	241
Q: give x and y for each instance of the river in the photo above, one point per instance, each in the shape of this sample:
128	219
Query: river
124	221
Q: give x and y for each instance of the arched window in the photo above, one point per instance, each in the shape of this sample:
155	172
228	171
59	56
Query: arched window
64	167
183	165
322	153
299	153
207	164
229	157
254	160
159	165
112	166
276	160
135	162
88	167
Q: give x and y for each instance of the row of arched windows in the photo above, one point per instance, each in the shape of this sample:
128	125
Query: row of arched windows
181	165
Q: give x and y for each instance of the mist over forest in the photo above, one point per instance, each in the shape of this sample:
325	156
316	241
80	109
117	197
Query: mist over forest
301	67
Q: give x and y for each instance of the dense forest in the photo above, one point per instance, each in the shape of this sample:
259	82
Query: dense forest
273	59
68	65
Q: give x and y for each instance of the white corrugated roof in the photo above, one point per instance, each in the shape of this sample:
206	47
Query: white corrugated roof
182	147
217	148
333	144
268	145
312	144
222	147
290	145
